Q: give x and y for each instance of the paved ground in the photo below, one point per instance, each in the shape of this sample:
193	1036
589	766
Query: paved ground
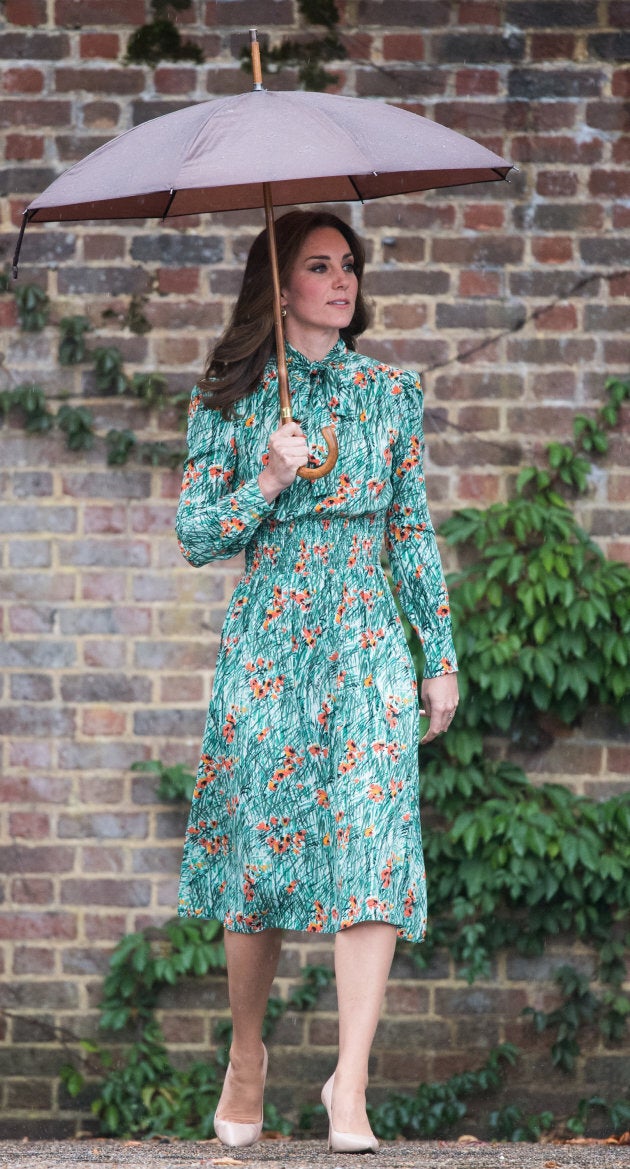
308	1155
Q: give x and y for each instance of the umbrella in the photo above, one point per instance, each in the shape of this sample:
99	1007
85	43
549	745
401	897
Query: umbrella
264	148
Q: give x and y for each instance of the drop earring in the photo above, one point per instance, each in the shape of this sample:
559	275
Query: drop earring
283	313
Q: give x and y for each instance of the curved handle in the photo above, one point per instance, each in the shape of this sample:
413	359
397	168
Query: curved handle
330	439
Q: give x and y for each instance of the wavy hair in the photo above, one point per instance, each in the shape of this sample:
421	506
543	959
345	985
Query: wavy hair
236	363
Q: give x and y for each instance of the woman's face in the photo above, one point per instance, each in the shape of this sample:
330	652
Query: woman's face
321	290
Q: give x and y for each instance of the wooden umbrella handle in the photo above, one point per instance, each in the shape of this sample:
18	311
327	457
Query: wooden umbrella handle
330	439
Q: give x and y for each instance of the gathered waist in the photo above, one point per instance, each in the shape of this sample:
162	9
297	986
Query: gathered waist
311	544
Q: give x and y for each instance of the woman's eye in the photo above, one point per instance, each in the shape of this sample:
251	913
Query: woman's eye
349	267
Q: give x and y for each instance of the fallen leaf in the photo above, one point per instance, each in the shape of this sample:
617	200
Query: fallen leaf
468	1139
225	1161
551	1165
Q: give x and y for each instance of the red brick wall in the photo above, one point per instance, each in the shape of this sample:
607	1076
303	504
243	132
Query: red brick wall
512	299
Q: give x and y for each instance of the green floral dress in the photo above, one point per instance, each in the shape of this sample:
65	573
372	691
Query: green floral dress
306	811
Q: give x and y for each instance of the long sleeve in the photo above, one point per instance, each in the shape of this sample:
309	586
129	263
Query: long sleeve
410	539
216	518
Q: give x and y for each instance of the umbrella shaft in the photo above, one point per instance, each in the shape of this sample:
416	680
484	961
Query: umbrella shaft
283	379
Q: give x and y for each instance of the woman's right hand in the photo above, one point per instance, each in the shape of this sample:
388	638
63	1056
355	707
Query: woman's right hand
288	450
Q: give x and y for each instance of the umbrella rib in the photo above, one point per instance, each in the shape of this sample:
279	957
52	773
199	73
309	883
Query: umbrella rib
356	189
171	196
26	216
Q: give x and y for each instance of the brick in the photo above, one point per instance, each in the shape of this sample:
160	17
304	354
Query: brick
610	46
52	995
241	12
552	13
85	961
101	115
546	46
478	48
621	83
493	252
46	112
30	554
101	891
31	618
25	925
561	318
120	81
109	553
181	281
479	315
483	490
106	654
403	47
98	756
474	283
607	115
105	688
35	518
553	250
104	927
33	46
108	825
33	960
600	318
31	12
620	155
175	79
31	891
540	83
48	654
36	721
79	13
611	184
180	250
106	281
181	688
31	688
179	724
482	12
99	44
31	825
473	82
424	82
23	80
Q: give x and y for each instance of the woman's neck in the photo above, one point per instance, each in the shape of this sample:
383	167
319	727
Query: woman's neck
314	344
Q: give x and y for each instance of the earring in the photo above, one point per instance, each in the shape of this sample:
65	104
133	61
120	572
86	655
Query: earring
283	313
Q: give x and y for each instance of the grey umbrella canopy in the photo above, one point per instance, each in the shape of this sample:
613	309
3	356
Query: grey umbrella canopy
309	147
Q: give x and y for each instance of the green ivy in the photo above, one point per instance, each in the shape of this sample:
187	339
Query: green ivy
72	344
160	39
33	307
76	422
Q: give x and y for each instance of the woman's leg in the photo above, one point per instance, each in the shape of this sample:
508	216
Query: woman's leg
363	957
251	964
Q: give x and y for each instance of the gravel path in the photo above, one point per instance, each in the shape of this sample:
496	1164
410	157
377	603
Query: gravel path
308	1155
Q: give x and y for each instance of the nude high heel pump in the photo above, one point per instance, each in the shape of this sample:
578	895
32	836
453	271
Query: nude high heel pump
344	1142
236	1133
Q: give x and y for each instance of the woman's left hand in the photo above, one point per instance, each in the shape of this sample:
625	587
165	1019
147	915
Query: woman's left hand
440	697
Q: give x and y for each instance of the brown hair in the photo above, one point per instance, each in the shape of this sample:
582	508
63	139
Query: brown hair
236	363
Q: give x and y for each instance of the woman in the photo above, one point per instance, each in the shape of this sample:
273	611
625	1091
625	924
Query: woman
305	815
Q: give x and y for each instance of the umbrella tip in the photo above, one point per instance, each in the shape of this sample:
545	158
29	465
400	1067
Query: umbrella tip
255	54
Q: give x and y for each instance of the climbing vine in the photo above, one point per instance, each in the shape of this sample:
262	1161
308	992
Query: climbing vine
160	39
29	401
